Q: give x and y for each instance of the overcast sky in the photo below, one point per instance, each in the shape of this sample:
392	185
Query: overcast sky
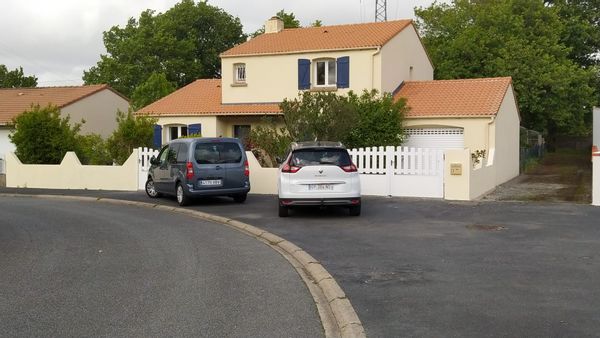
57	40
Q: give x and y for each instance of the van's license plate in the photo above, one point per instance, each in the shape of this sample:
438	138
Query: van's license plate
210	182
320	187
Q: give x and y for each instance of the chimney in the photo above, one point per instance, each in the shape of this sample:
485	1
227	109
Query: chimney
273	25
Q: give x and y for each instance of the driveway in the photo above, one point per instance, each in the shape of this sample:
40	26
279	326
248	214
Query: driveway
431	268
81	269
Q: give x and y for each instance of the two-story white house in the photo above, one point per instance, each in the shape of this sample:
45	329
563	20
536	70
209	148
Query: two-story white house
478	114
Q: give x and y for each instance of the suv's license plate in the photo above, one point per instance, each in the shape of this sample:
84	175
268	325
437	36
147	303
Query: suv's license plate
210	182
320	187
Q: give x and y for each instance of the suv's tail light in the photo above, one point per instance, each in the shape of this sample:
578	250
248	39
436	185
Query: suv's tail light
287	168
246	169
189	172
350	168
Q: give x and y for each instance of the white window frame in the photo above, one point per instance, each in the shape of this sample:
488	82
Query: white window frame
179	131
315	72
239	73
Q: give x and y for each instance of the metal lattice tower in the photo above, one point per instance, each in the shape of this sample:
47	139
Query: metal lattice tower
380	10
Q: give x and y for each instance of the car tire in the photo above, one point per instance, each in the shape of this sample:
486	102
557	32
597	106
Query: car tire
283	211
151	189
355	210
182	199
241	198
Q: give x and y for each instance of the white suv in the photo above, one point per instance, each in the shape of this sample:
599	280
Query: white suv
318	173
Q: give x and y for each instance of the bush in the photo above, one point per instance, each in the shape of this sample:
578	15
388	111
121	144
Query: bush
41	136
93	150
131	133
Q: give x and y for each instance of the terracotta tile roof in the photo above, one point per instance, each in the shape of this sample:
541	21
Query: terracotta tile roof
14	101
454	98
354	36
203	97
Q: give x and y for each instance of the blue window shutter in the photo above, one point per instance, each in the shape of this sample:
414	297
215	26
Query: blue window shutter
194	129
157	140
343	72
303	74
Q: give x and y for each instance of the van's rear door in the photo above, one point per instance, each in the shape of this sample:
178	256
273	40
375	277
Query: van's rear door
209	173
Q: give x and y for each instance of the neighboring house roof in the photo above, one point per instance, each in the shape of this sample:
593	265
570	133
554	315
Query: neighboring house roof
14	101
454	98
342	37
203	97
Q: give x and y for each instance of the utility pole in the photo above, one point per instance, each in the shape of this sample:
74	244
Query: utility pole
380	10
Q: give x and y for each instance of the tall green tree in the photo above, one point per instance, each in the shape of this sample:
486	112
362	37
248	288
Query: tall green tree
42	136
519	38
183	43
16	78
154	88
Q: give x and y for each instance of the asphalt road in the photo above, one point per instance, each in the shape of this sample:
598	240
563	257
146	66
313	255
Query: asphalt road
431	268
78	269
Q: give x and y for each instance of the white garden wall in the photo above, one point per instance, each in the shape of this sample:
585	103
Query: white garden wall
71	174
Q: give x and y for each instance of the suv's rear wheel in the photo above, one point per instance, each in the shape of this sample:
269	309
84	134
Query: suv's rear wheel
182	199
241	198
283	211
355	210
151	189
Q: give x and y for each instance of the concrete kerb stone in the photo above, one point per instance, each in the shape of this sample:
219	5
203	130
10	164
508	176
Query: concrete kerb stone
346	318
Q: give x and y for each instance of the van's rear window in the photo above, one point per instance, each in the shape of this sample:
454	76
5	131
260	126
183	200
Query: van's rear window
215	153
320	156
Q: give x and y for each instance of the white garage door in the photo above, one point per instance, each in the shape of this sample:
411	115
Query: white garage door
441	138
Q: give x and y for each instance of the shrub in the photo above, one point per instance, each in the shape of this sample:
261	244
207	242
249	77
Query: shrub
132	132
41	136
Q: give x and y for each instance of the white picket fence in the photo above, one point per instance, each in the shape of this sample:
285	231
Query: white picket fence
400	171
384	171
144	155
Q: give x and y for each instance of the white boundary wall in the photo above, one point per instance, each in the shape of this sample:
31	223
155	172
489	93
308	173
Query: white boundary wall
71	174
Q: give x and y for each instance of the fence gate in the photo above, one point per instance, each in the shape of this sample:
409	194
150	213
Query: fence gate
144	155
400	171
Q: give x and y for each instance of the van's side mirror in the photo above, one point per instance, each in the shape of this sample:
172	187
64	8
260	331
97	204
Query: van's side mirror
153	160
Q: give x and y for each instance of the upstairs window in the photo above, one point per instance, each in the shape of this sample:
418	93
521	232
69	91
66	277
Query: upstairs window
239	70
325	72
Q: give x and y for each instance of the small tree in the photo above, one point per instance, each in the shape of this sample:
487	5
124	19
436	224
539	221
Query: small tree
41	136
379	120
132	132
270	141
319	116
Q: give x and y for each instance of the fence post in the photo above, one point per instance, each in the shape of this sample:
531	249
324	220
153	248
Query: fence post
390	155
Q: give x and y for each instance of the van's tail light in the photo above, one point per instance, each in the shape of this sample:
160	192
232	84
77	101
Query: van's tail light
287	168
189	173
350	168
246	169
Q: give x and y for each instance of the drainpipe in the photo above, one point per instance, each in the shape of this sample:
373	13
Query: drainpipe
489	125
373	66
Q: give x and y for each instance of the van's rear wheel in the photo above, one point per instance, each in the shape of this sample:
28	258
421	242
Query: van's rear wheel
182	199
151	189
241	198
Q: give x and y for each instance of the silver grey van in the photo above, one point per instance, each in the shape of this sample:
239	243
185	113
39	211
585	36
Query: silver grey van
196	167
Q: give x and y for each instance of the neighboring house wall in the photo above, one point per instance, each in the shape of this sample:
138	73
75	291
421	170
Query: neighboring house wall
272	78
506	130
401	53
99	112
5	147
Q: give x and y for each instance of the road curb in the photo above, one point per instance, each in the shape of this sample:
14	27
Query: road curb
335	310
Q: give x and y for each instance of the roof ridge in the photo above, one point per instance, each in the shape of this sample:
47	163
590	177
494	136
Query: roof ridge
57	87
481	79
350	24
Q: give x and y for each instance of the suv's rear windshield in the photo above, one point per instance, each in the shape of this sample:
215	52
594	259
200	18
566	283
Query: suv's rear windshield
319	156
219	152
